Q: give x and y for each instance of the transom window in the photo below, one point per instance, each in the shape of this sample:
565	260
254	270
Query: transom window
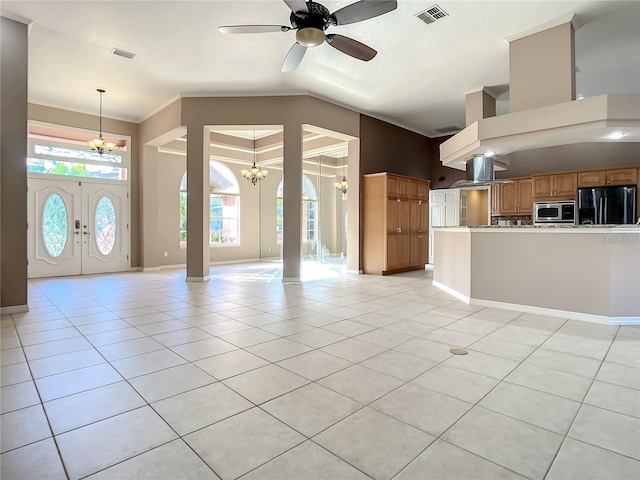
309	211
53	157
224	206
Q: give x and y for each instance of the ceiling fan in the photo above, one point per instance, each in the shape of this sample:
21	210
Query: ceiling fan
311	19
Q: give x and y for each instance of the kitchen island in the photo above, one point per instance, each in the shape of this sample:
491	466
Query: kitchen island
582	272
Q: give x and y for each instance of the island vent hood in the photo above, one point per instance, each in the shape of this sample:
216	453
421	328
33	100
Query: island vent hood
480	172
543	109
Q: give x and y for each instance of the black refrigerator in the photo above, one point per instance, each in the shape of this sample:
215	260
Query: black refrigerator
607	205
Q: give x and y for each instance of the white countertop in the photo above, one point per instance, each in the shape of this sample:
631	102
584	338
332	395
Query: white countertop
546	228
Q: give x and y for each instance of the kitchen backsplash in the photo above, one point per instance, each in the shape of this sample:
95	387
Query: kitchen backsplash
513	220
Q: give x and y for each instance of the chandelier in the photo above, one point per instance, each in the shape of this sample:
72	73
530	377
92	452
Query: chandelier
343	185
254	173
98	144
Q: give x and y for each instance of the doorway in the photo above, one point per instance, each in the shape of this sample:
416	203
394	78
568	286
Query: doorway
77	227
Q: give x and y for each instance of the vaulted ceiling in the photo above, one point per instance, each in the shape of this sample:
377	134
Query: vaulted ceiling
418	79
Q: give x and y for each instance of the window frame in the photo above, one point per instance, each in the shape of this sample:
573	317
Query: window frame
232	191
309	204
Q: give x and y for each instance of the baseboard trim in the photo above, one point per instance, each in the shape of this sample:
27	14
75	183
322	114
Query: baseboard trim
232	262
291	280
451	291
550	312
625	320
14	309
206	278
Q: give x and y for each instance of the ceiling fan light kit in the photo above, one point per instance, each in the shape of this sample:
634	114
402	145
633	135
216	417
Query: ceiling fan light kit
311	20
310	37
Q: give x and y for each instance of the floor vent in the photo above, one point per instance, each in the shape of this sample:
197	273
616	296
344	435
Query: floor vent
449	129
123	53
432	14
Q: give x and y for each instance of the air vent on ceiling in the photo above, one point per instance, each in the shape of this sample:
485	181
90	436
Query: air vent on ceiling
123	53
449	129
432	14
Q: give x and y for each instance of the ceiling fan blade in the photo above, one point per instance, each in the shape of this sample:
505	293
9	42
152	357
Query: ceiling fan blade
294	57
363	10
253	28
351	47
297	5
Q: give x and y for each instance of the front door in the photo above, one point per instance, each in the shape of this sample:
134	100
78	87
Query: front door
77	227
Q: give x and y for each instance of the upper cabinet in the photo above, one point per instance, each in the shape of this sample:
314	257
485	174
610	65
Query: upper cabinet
399	187
562	185
512	198
600	178
419	189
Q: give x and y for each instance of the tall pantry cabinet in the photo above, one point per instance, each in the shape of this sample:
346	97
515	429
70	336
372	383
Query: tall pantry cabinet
395	223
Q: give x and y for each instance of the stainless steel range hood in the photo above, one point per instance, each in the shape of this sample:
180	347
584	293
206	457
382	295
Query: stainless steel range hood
480	172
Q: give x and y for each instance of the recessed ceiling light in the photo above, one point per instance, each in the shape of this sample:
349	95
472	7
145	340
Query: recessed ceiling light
489	153
616	135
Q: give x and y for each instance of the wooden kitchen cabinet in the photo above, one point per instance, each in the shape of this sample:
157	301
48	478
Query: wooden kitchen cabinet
560	186
495	199
419	189
600	178
395	223
512	198
419	230
399	186
525	195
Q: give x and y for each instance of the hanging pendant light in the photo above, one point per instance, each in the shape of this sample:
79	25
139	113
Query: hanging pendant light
343	185
98	144
254	174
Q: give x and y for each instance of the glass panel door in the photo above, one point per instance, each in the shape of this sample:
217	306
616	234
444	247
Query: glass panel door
76	228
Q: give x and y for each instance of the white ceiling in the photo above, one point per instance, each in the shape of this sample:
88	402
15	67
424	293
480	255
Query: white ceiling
418	80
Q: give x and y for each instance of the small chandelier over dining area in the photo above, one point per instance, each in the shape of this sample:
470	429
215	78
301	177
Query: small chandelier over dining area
98	144
255	173
342	186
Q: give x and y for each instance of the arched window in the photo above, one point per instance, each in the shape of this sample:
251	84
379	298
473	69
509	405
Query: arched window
224	206
309	211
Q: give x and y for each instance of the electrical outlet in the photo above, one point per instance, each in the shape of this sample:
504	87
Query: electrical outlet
166	254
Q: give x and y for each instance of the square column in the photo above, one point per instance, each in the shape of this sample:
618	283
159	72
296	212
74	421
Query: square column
292	203
13	186
542	68
197	203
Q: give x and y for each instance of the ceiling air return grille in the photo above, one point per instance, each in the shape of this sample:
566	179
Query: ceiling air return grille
432	14
123	53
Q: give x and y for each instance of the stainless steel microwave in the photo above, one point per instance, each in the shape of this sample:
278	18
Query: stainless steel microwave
554	213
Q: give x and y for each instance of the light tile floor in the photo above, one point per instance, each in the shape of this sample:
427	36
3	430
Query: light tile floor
141	375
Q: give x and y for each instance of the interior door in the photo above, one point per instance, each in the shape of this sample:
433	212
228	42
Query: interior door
76	227
54	216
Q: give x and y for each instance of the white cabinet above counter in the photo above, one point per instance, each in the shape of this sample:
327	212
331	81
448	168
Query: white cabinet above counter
587	273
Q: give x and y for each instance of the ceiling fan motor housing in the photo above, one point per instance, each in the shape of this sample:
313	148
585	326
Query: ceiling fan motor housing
318	17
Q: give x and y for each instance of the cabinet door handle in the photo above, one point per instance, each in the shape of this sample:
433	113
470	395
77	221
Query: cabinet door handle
398	200
398	230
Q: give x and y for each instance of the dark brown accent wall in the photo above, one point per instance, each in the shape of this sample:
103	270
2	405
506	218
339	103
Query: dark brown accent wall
13	159
441	176
387	148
